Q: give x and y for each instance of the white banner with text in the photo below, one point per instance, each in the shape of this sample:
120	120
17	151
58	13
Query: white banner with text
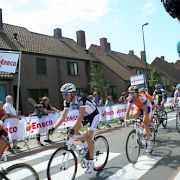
32	125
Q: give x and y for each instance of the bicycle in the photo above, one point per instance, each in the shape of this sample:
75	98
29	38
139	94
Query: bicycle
64	160
178	117
16	171
137	139
160	116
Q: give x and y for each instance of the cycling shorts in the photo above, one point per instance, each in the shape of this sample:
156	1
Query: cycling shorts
140	111
93	120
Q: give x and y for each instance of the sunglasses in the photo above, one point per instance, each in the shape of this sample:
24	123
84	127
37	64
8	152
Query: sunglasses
66	94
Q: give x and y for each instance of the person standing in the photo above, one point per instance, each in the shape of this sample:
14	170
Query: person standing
48	108
11	113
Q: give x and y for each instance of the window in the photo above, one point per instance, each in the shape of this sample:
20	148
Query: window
72	68
79	90
112	90
40	66
36	94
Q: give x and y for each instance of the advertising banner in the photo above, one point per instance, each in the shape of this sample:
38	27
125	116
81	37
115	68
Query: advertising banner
8	62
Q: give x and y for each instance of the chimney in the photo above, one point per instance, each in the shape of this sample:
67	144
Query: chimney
104	45
81	39
109	47
162	57
1	22
57	33
131	52
143	56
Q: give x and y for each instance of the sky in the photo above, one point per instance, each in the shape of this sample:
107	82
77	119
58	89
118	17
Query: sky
120	21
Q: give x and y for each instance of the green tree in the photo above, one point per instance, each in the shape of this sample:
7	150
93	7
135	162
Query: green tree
98	81
156	77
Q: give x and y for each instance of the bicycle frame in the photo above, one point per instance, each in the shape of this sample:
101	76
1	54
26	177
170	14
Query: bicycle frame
70	144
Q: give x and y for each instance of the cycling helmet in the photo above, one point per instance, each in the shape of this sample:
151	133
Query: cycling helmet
142	90
132	89
172	7
158	86
68	87
178	86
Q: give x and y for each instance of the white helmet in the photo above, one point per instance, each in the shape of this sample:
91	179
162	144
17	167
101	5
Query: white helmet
68	87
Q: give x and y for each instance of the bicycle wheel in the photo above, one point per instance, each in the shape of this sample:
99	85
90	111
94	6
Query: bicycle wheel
62	165
153	128
101	152
156	120
132	147
164	119
178	121
21	171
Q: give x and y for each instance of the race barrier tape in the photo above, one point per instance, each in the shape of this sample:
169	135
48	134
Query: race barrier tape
32	125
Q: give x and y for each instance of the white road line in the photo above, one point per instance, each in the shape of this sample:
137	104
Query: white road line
130	172
177	177
171	119
28	158
80	170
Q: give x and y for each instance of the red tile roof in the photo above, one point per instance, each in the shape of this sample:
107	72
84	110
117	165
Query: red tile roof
167	69
106	59
38	43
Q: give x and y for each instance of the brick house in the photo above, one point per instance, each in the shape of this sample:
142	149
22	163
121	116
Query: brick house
49	61
168	70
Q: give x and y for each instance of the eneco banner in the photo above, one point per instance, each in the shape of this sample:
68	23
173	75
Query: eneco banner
28	126
8	61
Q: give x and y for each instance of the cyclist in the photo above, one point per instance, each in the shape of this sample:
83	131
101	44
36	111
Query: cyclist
172	7
142	107
149	97
160	96
177	94
88	113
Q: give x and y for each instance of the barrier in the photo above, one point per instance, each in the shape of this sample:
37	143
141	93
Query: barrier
30	126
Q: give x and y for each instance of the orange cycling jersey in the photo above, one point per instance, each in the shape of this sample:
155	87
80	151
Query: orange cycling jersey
140	101
150	98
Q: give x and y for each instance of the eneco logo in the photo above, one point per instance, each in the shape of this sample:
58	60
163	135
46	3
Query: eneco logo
30	127
4	62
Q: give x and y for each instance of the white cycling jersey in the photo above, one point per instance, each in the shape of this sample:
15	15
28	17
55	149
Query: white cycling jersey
91	112
176	94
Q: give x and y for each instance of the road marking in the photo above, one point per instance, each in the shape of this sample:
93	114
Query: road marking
80	170
43	166
28	158
171	119
135	172
176	176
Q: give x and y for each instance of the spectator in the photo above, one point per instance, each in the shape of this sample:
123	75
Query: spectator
109	101
96	99
48	109
122	98
11	112
90	97
39	111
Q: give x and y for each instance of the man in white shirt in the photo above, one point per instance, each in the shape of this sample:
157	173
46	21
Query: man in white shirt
11	112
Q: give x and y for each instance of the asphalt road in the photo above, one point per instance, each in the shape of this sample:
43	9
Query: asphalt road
161	164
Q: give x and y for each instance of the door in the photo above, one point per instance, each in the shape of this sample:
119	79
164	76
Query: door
3	92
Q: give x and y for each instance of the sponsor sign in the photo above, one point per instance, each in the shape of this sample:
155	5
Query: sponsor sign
137	79
8	62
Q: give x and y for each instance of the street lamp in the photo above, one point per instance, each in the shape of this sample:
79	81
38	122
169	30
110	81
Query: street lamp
147	76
